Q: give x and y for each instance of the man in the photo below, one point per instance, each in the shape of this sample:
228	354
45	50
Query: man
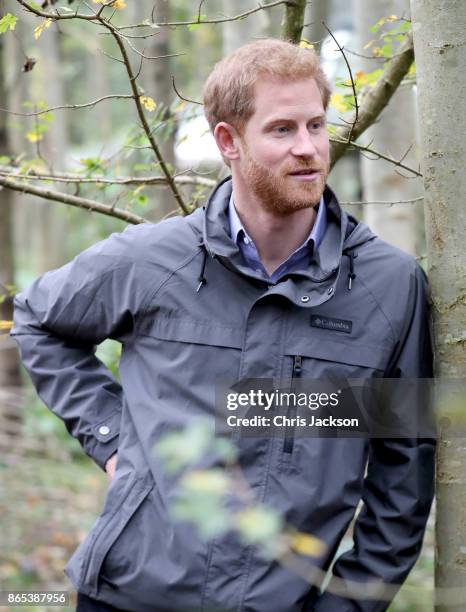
270	276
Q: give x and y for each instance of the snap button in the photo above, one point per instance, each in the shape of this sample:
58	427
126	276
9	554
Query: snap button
305	298
104	430
330	291
246	240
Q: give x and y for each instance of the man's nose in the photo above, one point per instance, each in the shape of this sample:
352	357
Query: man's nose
304	145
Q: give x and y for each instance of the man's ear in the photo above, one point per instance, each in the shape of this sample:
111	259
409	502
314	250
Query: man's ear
227	138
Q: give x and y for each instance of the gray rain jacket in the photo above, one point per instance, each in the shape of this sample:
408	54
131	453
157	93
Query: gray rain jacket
140	288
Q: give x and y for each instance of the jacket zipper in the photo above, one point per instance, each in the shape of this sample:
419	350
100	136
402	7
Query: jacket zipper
289	431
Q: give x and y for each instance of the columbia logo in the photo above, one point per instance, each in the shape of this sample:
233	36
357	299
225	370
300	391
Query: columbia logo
332	324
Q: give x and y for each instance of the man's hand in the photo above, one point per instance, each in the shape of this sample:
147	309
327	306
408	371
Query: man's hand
110	466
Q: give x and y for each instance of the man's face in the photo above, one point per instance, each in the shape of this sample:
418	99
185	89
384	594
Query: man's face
284	147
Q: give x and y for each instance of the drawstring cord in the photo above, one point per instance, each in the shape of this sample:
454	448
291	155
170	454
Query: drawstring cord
201	278
351	274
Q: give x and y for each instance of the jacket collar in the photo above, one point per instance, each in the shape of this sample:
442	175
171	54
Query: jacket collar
326	260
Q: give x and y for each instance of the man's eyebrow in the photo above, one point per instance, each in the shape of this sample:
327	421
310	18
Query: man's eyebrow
275	120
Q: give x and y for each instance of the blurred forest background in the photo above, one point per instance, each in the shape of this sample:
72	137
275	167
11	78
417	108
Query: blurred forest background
72	138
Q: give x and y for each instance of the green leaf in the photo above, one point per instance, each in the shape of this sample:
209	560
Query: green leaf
4	160
47	117
8	22
376	27
92	164
387	50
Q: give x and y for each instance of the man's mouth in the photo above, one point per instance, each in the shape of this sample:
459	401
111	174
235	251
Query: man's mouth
306	173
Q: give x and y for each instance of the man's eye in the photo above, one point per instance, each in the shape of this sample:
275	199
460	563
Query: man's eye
281	129
316	125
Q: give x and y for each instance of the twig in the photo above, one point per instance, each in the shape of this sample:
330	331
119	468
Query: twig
377	154
71	200
56	15
384	203
68	106
62	177
260	7
182	97
355	95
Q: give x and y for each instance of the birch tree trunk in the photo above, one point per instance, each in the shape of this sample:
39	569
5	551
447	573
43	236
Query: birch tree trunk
394	133
439	39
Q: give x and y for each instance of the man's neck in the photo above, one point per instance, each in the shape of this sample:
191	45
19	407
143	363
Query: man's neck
275	236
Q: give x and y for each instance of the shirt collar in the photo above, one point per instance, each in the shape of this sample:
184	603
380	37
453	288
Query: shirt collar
316	234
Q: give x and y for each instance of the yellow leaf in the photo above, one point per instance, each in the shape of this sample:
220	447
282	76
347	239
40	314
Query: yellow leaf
392	18
377	52
33	136
366	46
148	103
305	544
362	77
6	324
40	28
337	101
305	44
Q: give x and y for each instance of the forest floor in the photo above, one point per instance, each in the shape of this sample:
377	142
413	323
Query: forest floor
48	504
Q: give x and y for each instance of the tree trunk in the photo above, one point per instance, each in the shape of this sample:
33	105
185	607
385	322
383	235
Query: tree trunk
10	380
50	222
439	27
393	134
293	21
315	32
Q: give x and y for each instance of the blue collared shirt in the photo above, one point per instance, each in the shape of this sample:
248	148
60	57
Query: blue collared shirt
297	260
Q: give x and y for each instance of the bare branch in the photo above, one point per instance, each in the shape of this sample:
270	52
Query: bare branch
181	97
377	154
70	178
68	106
152	57
142	117
56	16
384	203
355	95
293	21
198	21
71	200
376	100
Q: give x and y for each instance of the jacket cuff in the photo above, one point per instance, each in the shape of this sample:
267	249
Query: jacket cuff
106	434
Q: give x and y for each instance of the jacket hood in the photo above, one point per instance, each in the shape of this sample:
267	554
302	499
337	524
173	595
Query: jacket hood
343	234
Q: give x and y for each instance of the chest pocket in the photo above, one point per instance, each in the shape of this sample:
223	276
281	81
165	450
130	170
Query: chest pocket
331	358
192	351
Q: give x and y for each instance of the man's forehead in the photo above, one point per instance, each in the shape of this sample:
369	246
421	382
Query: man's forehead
273	96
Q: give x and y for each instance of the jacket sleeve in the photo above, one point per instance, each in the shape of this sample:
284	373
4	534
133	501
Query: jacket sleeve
399	484
58	321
